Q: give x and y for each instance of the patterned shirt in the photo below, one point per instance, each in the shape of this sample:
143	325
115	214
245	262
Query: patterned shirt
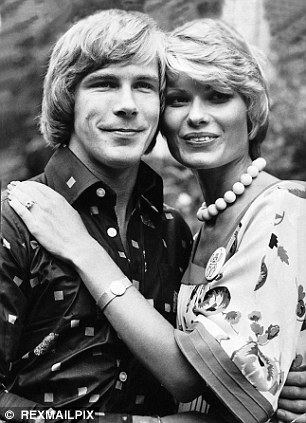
57	349
243	315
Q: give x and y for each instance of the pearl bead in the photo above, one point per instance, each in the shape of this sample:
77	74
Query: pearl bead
230	197
212	210
253	171
220	204
246	179
205	214
200	214
260	163
238	188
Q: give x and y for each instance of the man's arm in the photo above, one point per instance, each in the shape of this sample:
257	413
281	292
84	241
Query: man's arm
12	308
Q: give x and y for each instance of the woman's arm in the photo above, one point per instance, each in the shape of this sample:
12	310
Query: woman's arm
59	228
57	225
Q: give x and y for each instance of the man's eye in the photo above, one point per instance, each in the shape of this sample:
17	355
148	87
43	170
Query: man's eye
146	86
103	84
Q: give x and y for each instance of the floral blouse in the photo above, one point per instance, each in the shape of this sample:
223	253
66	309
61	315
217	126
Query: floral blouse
241	318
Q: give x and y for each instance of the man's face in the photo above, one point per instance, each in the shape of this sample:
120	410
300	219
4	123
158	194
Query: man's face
116	115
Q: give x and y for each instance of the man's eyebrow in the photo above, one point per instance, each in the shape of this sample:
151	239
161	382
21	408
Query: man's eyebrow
97	76
151	78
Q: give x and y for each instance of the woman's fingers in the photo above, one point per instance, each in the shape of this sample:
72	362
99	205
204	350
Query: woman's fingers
296	379
27	191
49	217
21	210
297	406
295	393
288	417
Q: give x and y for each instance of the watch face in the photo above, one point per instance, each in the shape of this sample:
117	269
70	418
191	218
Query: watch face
117	288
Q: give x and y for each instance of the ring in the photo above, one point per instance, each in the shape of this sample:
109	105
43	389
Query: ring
29	204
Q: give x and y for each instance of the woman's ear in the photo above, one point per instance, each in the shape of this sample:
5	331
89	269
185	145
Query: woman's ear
255	140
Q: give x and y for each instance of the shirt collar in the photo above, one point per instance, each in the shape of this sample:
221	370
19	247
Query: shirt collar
67	174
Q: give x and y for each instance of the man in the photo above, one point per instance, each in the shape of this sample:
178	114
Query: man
101	107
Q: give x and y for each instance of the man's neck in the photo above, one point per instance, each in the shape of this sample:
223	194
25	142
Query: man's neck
121	181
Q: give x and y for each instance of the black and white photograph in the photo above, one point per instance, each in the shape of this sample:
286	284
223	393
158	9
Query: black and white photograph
153	211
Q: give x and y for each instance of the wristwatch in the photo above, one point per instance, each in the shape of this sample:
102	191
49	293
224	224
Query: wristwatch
116	289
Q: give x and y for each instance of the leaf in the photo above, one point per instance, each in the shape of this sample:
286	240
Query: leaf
257	329
282	254
263	274
215	300
300	309
279	218
275	387
262	339
233	317
301	293
298	192
273	241
255	316
272	331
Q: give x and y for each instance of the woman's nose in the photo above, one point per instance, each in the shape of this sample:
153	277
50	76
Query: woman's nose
125	105
198	113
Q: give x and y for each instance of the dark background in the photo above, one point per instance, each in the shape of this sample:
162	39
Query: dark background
29	29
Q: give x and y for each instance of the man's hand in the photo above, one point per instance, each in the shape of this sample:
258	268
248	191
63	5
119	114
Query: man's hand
292	401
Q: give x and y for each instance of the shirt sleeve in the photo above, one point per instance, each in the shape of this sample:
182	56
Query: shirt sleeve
13	304
249	318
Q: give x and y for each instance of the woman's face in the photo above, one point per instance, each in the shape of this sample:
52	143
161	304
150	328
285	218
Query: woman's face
204	128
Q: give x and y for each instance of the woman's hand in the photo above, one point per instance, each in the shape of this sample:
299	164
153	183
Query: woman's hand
292	400
55	224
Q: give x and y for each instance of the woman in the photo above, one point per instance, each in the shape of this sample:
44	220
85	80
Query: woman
241	304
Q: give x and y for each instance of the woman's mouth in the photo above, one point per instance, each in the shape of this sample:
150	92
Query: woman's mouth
199	138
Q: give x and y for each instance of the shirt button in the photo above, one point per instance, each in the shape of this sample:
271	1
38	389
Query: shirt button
111	232
100	192
123	377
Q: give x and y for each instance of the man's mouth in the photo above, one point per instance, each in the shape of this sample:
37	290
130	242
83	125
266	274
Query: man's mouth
124	130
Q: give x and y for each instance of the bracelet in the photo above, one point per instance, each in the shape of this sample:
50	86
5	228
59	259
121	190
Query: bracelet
116	289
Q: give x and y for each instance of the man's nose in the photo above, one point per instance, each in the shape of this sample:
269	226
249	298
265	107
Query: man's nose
126	105
198	113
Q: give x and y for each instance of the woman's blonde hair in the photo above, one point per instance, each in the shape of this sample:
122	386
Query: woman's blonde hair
213	53
107	37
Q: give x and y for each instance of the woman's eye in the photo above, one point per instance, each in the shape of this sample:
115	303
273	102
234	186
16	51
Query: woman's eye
176	100
218	97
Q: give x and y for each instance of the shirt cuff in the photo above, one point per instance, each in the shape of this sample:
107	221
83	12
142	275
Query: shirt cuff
222	376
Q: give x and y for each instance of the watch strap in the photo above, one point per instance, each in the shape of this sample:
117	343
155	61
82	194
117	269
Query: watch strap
116	288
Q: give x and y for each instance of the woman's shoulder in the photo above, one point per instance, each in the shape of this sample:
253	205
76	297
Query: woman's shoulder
284	198
286	192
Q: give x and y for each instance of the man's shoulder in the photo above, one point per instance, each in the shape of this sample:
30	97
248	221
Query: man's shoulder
41	178
12	226
175	220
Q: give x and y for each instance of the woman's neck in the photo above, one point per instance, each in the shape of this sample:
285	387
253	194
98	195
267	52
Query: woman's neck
216	181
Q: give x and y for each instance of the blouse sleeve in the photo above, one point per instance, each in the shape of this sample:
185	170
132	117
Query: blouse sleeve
249	320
